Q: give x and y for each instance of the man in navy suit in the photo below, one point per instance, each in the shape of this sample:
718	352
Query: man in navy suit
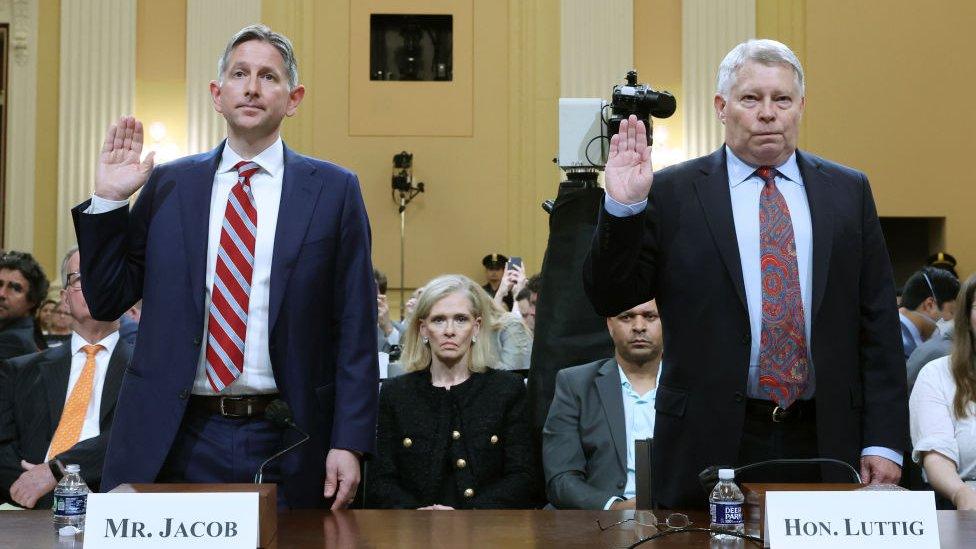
253	264
775	290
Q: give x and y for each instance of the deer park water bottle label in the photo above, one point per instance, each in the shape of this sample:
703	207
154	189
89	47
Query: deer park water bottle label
70	505
726	513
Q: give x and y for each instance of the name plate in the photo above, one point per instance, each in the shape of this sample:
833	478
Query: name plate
212	520
863	519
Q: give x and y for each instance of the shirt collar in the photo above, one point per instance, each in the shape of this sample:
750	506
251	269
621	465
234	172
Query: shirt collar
109	342
625	383
271	160
740	171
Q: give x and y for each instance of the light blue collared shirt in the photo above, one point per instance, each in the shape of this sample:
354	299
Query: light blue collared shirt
638	422
745	187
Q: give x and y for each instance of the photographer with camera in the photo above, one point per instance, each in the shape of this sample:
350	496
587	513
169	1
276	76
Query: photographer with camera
774	286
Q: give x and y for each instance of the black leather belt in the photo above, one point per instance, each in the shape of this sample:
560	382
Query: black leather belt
239	406
769	410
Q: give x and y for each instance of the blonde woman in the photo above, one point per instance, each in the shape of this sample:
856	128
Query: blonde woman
453	431
943	411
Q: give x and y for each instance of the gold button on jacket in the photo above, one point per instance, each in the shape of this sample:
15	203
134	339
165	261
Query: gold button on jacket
469	493
494	439
461	464
456	435
407	443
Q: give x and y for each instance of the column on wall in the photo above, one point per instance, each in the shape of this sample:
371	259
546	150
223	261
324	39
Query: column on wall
709	30
209	24
21	112
596	46
98	49
533	104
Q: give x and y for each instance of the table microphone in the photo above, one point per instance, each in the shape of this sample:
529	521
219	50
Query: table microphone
279	413
709	477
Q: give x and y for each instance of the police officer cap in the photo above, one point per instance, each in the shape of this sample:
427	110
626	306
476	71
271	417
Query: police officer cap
494	261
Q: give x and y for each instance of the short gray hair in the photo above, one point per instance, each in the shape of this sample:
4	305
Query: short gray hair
767	52
264	34
64	265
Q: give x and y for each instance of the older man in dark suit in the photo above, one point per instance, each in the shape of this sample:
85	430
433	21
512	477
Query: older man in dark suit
57	406
774	285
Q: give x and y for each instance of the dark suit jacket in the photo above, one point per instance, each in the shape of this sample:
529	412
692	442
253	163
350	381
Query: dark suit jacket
683	251
322	312
32	393
487	411
17	338
584	441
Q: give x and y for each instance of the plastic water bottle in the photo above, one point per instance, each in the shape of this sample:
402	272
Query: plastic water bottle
70	501
725	507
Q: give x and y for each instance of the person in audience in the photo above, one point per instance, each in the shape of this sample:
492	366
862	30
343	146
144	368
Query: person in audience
23	286
129	323
388	332
57	406
928	298
598	411
943	411
770	269
453	432
512	338
60	330
494	265
411	303
944	261
527	299
513	281
44	312
937	346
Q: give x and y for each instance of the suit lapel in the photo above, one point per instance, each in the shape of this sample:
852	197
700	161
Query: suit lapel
818	189
55	370
113	378
713	192
299	194
608	385
195	191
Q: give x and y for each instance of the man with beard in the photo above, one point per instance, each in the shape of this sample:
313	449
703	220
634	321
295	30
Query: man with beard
598	411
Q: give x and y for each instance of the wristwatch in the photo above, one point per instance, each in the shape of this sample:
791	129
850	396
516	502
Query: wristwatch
57	468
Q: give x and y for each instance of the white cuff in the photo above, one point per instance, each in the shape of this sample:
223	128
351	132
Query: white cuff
102	205
886	453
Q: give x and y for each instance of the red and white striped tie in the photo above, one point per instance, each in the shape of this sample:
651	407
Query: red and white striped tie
229	298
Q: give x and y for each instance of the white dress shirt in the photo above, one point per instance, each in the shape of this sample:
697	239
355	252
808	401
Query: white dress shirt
90	428
935	427
258	377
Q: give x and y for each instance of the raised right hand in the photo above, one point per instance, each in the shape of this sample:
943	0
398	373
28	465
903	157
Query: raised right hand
120	173
628	169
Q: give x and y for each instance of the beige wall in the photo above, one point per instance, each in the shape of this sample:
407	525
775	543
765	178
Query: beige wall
465	212
161	67
46	137
657	58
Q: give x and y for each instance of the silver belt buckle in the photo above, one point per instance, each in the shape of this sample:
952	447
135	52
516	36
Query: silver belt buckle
779	414
225	413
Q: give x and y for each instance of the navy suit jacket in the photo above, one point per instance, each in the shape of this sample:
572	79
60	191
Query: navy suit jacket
322	312
683	251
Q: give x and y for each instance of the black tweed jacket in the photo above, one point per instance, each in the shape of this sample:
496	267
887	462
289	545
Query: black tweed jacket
470	444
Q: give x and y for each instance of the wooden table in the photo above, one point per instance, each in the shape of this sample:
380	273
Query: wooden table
453	529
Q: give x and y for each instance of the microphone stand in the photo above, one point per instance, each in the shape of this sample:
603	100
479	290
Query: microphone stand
259	476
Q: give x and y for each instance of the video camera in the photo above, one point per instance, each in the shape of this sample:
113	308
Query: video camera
582	122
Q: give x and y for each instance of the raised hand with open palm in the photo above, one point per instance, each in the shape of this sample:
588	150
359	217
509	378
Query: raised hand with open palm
628	169
120	173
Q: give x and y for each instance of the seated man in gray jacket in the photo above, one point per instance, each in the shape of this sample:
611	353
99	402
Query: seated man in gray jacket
598	411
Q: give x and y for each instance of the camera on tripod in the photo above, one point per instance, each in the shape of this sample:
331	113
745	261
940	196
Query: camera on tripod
584	131
402	171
